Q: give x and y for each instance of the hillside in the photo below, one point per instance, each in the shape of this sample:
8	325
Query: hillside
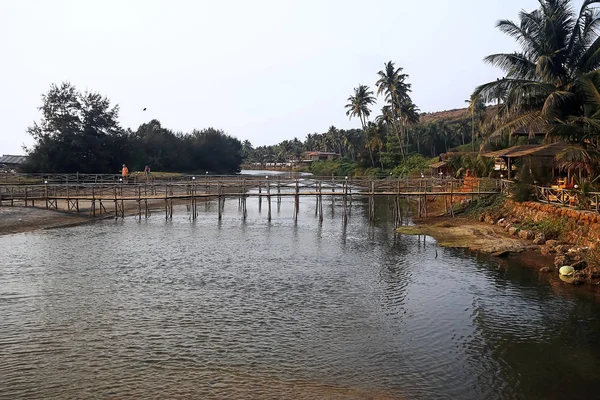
450	115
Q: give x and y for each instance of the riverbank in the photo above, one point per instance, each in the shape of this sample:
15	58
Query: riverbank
27	219
500	228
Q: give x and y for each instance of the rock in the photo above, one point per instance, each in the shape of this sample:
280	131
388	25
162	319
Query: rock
482	218
545	250
526	235
501	222
501	253
592	272
579	265
508	226
540	238
489	220
561	248
513	231
552	243
560	260
578	279
546	269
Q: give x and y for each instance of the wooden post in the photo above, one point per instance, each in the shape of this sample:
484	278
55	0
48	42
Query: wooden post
320	202
167	201
219	200
116	203
269	199
93	202
297	200
451	190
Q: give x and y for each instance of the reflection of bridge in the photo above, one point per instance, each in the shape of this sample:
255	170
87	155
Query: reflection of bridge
104	194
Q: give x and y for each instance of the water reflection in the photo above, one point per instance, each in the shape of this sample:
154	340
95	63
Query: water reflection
281	309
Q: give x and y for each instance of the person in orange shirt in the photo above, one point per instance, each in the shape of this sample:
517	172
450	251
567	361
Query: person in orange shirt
125	173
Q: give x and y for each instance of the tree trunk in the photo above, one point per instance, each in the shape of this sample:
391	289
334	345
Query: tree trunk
362	120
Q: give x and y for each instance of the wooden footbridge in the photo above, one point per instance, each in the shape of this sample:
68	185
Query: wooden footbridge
106	194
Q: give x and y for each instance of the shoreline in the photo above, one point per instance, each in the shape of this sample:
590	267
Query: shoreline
481	238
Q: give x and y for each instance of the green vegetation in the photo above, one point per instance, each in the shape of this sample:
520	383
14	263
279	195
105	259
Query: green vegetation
79	132
552	228
552	82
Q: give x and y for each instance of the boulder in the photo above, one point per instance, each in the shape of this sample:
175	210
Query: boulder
552	243
513	231
501	222
540	238
526	234
545	250
508	226
560	260
481	218
592	272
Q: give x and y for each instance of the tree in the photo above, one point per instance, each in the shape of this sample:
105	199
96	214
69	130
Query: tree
392	84
358	106
78	132
552	81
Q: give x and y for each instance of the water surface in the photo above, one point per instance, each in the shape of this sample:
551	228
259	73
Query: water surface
255	309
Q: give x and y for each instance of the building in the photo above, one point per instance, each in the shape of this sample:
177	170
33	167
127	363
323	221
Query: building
311	156
542	153
9	162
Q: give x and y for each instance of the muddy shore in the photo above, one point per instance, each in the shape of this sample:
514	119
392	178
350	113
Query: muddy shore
20	219
493	241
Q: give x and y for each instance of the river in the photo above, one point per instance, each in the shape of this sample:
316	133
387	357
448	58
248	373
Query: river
253	309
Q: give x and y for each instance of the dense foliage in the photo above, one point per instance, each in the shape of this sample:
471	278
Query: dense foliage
79	132
397	140
552	82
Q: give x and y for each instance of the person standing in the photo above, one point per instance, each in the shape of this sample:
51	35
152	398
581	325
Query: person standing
147	172
125	173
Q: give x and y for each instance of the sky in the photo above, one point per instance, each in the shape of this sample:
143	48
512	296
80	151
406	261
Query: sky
262	70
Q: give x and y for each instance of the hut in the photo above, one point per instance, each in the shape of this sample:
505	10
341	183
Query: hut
542	153
12	163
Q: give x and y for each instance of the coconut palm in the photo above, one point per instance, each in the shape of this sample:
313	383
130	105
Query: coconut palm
358	106
392	84
550	80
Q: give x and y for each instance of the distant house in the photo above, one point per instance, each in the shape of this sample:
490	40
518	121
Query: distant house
10	162
311	156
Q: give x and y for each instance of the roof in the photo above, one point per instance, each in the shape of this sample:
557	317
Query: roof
536	150
319	153
438	164
10	159
529	131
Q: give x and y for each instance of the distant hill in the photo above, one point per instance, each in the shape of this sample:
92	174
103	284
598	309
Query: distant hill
450	115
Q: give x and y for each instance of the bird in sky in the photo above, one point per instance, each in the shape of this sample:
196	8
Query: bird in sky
144	109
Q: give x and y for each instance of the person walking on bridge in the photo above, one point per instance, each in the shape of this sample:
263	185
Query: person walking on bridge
125	173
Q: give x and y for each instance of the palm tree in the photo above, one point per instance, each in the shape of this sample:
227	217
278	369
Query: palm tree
358	106
392	84
552	81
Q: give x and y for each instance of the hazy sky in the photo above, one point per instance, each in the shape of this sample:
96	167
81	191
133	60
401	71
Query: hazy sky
260	70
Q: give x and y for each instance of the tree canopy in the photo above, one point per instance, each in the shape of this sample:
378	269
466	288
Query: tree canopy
80	132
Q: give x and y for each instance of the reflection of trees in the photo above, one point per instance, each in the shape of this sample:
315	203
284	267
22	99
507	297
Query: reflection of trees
527	337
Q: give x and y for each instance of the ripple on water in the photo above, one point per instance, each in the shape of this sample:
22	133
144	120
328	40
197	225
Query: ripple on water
233	309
